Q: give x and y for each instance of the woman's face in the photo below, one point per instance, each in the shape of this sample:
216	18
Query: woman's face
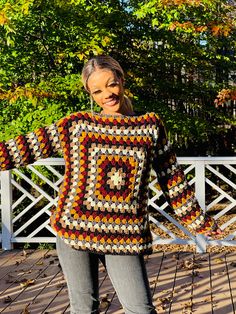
107	90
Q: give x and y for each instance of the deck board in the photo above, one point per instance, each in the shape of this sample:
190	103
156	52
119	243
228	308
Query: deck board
231	269
17	272
14	286
47	299
9	262
182	293
222	302
202	293
180	283
7	256
163	293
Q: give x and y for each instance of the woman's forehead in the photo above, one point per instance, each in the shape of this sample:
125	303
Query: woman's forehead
100	76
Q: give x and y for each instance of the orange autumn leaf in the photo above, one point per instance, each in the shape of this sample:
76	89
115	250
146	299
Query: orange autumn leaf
219	30
201	29
187	25
224	96
3	18
226	30
215	30
172	26
21	92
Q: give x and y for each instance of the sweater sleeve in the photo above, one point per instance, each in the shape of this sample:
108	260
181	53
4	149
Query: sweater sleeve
175	187
24	150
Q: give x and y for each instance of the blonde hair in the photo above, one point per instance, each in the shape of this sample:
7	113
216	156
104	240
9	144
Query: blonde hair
105	62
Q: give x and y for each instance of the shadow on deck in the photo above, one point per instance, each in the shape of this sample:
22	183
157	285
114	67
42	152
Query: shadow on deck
32	282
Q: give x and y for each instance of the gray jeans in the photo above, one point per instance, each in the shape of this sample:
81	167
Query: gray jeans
127	274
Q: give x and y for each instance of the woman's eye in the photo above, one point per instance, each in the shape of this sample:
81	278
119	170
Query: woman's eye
96	92
113	84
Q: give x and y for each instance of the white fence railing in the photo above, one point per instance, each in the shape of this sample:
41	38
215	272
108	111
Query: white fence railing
28	194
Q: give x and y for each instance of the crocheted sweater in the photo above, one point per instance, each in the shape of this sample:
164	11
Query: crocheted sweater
103	200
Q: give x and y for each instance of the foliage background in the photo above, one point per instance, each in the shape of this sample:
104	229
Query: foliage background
179	59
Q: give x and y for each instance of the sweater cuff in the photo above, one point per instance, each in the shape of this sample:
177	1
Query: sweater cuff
208	225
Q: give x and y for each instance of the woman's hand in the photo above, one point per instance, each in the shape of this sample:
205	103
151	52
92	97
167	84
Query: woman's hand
215	232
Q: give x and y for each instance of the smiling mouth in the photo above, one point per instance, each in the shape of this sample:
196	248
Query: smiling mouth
113	101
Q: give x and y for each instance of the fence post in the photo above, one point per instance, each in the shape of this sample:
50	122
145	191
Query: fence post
6	200
201	243
200	192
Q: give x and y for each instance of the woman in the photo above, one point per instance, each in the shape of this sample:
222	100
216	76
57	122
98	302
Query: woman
102	207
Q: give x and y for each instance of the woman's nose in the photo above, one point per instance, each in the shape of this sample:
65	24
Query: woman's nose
107	94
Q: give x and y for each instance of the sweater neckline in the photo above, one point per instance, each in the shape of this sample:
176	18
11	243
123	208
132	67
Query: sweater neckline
115	116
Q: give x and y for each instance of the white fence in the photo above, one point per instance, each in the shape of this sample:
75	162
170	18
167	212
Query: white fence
28	195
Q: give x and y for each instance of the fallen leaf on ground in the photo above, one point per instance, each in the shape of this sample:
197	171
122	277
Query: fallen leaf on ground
187	305
24	253
164	302
196	273
27	283
208	299
219	260
25	310
189	264
8	299
104	303
175	257
165	291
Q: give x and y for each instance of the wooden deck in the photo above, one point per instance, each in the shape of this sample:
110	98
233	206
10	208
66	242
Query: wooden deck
32	282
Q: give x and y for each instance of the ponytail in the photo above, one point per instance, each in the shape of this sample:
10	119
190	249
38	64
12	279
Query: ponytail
127	104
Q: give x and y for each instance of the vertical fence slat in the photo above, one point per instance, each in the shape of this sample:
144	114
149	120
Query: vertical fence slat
200	183
200	192
6	199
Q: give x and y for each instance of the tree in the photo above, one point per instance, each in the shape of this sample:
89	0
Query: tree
177	55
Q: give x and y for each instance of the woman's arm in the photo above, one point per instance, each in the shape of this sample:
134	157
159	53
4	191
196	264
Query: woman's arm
23	150
176	189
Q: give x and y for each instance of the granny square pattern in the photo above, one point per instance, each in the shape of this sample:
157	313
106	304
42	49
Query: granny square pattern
103	199
112	173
